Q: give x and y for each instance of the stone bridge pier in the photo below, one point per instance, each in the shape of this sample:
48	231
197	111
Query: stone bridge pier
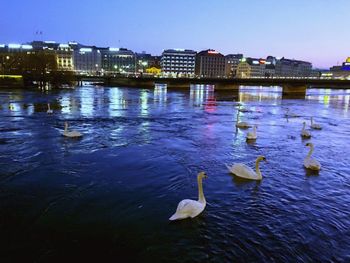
293	91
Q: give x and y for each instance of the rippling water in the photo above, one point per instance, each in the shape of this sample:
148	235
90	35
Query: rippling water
109	195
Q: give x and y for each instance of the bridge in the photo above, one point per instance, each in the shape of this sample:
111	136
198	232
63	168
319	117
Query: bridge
290	86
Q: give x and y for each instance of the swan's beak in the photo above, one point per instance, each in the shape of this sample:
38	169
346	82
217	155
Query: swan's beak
205	175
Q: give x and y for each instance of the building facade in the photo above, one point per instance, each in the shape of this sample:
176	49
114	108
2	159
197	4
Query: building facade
178	62
118	60
251	68
86	59
210	64
231	63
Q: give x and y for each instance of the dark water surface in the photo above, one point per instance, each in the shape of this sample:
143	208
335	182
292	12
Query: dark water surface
109	195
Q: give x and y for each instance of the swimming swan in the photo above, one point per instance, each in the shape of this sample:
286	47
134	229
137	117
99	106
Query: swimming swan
304	133
243	171
71	134
309	162
315	126
49	111
252	135
242	124
191	208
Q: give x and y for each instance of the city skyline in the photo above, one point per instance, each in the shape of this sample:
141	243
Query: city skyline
309	31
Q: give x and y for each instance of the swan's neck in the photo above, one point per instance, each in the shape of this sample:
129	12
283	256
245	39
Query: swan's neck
310	151
312	121
303	126
66	127
257	167
201	197
237	116
254	129
48	106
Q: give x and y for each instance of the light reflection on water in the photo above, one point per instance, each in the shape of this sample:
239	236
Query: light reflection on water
111	192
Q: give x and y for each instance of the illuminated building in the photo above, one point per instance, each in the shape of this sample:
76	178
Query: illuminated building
292	68
118	60
64	57
210	63
178	62
231	63
273	67
342	71
146	61
86	59
251	68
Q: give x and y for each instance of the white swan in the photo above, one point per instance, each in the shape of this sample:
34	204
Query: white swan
289	114
244	110
71	134
315	126
191	208
309	162
252	135
242	124
304	133
244	171
49	111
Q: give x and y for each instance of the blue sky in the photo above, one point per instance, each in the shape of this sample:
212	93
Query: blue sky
313	30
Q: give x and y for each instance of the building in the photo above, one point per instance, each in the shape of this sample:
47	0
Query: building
63	52
251	68
178	62
118	60
342	71
210	64
86	59
146	61
292	68
64	58
231	63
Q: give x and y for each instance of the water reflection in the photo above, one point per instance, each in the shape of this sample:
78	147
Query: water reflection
117	102
330	97
202	94
259	93
160	94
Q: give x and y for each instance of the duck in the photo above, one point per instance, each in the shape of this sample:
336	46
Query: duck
49	111
188	208
70	134
242	124
304	133
252	135
289	114
309	162
243	171
315	126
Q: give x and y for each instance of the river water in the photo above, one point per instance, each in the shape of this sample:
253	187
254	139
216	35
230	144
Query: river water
108	195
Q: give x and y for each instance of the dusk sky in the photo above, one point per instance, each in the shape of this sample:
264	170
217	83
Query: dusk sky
312	30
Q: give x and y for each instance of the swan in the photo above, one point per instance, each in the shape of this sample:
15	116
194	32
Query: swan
244	171
242	124
71	134
191	208
309	162
304	133
289	114
315	126
244	110
49	111
252	135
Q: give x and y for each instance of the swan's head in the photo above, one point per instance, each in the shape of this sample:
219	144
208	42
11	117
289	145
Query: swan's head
66	124
309	144
202	175
261	158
